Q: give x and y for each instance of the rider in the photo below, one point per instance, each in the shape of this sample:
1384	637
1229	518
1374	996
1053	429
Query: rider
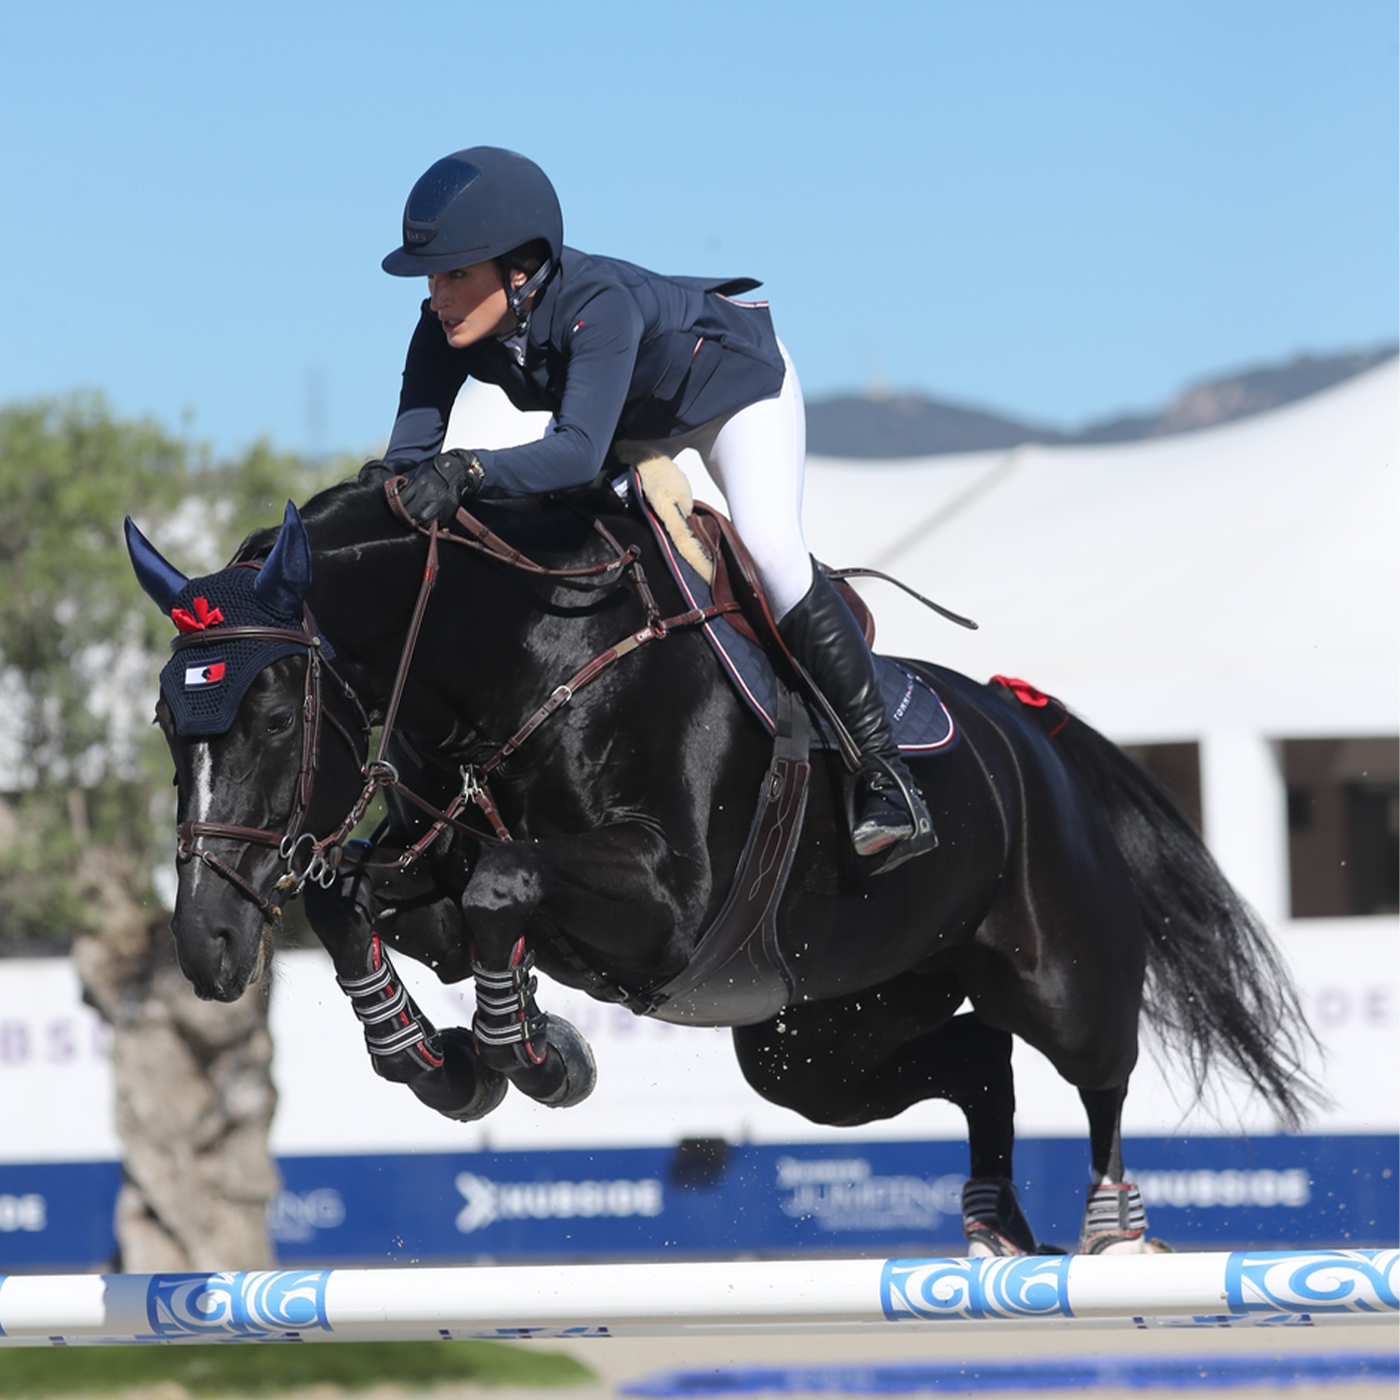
626	359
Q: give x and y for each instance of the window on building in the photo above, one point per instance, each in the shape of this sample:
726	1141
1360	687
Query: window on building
1178	768
1343	826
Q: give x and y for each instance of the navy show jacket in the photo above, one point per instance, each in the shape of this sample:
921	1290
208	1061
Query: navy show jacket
614	352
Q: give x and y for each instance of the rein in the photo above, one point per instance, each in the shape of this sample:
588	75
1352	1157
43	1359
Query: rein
378	773
475	790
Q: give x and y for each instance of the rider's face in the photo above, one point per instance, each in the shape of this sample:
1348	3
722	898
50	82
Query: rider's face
471	303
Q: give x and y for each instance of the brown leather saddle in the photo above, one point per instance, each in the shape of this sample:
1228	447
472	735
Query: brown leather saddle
737	581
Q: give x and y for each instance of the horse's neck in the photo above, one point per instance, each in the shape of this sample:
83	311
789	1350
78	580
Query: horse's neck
491	636
362	596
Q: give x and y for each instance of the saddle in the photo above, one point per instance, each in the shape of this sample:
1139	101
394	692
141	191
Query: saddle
737	581
711	566
709	543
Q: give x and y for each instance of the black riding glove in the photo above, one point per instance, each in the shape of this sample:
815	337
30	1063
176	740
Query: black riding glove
375	473
434	490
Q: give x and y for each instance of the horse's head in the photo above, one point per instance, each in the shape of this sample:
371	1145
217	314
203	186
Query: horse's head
241	707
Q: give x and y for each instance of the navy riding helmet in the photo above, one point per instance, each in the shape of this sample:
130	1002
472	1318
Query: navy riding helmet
474	206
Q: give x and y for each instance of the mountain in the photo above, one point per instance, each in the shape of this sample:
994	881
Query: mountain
911	425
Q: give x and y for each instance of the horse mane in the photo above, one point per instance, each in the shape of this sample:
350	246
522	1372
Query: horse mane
344	502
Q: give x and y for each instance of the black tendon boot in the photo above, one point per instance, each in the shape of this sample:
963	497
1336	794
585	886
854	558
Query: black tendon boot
889	816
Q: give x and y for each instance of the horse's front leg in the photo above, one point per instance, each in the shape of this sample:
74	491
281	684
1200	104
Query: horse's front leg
440	1066
603	890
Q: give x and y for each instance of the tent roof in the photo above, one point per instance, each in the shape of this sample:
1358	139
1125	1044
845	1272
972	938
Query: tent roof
1242	577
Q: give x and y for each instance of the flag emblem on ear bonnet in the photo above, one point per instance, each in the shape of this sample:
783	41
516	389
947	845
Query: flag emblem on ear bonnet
204	683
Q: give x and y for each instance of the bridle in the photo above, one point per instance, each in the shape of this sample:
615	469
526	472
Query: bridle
321	856
289	841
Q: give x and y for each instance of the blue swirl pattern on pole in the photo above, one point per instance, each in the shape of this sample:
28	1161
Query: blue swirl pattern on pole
1032	1286
1313	1281
254	1304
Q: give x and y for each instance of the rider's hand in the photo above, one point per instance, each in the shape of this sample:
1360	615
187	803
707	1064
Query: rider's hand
434	490
375	473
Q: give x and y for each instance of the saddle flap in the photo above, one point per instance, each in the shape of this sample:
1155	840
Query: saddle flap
737	974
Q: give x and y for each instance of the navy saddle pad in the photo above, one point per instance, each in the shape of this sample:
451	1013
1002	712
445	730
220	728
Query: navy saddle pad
918	718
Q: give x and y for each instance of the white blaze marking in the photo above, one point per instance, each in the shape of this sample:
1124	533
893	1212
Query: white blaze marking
201	801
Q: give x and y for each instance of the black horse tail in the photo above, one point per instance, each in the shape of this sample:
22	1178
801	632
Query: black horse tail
1216	988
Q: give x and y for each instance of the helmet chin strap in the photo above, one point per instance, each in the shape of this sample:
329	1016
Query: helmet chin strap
517	298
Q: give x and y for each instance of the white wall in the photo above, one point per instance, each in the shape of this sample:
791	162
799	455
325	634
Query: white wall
657	1082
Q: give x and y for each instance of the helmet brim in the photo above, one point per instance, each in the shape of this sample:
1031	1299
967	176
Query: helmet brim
402	263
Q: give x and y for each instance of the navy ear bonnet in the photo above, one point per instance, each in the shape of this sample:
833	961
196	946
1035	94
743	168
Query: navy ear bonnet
204	682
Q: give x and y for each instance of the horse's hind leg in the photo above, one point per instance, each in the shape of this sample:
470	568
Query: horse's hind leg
1115	1221
974	1061
873	1055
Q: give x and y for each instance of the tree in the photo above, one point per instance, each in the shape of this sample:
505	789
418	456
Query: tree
88	816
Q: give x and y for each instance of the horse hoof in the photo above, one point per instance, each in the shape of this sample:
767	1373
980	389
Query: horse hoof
1115	1221
580	1068
985	1245
993	1221
1114	1244
461	1065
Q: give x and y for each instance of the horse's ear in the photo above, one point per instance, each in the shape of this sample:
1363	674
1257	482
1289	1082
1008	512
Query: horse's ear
285	577
161	580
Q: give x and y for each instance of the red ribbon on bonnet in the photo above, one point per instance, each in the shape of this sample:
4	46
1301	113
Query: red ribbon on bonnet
202	617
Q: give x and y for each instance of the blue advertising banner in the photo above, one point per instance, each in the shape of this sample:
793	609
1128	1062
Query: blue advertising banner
710	1198
56	1217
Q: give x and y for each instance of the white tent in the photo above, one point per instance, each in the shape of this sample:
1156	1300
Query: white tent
1240	577
1236	587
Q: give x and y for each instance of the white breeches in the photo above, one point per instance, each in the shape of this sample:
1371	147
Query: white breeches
757	456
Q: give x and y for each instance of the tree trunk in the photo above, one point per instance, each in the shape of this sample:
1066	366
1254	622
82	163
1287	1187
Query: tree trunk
194	1093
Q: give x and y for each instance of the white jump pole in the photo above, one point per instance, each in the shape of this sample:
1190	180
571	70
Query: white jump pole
1278	1287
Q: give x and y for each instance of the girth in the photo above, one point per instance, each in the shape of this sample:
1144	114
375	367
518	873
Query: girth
737	975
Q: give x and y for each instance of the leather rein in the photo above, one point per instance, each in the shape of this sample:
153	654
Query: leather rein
322	856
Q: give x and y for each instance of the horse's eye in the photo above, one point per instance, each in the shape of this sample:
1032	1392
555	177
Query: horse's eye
280	723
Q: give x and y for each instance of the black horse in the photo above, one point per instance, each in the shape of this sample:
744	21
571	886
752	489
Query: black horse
1066	898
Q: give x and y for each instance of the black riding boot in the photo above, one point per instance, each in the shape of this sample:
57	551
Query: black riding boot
889	816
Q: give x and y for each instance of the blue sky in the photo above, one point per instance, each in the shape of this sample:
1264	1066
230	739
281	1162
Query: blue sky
1061	210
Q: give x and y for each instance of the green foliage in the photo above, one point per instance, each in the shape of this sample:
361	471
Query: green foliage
80	645
272	1369
256	487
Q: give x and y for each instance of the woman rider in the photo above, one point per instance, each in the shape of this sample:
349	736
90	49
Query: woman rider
624	358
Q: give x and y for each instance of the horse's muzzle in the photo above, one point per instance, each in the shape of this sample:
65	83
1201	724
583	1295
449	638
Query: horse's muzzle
220	963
